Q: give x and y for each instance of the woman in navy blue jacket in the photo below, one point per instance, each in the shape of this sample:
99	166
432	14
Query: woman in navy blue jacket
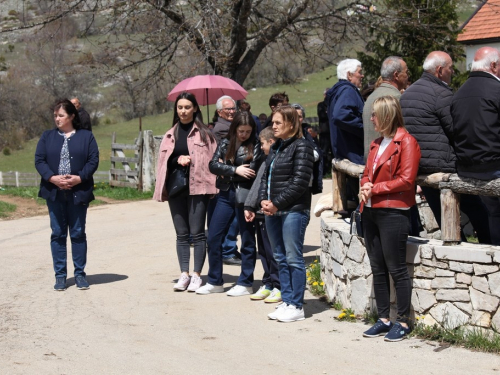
66	158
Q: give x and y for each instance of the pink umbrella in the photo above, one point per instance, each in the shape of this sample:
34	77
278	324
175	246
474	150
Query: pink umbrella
208	89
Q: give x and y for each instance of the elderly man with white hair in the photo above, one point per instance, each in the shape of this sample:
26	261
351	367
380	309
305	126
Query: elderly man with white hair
226	108
475	110
345	112
426	112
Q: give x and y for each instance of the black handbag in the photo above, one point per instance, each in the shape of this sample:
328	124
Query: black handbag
356	223
241	195
177	182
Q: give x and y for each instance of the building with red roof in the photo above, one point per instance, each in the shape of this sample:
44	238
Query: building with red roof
481	29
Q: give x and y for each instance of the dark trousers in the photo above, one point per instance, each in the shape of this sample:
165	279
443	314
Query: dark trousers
65	216
271	277
326	149
471	205
188	214
223	215
493	206
386	233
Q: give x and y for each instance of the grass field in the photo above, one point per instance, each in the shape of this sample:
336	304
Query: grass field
308	92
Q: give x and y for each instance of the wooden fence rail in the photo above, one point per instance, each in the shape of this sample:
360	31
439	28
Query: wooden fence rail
450	185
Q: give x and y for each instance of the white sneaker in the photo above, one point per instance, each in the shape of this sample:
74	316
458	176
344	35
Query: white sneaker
209	289
278	310
239	290
291	314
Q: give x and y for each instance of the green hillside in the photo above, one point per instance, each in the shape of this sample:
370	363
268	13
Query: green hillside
308	93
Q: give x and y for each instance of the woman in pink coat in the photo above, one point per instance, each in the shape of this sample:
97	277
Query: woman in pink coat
188	145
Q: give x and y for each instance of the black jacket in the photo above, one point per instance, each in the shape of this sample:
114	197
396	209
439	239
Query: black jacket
476	123
317	180
226	171
426	111
290	175
84	119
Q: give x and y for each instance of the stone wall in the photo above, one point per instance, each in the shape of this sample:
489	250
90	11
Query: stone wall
452	285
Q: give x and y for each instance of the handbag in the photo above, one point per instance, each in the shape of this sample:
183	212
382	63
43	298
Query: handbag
356	223
241	195
177	182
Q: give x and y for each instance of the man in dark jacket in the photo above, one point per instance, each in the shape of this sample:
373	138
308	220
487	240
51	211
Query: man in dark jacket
426	112
475	110
226	108
345	112
324	134
83	114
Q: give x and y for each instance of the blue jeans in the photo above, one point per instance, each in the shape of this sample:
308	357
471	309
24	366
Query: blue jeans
229	246
65	215
220	222
286	233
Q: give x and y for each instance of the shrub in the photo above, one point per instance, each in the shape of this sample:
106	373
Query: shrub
6	151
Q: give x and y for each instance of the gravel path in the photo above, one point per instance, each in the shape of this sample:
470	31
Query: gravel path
132	322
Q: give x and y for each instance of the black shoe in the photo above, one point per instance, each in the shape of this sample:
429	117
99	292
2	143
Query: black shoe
60	284
233	261
81	283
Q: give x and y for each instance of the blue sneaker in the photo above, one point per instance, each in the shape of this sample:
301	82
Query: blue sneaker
60	284
378	329
81	283
397	333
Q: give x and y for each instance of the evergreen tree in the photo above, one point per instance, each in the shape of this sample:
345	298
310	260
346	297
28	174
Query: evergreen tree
412	29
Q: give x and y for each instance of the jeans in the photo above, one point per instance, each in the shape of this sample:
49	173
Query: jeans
286	234
65	215
229	246
188	214
220	222
386	233
271	277
471	205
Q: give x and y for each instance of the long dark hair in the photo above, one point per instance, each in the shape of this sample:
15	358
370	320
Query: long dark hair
70	109
205	132
241	118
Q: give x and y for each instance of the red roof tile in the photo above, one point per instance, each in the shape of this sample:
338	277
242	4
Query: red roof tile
484	24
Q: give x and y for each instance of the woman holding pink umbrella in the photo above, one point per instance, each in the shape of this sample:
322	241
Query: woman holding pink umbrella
187	146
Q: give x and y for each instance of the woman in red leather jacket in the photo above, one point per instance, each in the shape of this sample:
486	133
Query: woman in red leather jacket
387	193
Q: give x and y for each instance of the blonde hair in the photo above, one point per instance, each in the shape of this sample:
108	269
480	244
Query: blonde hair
290	116
388	112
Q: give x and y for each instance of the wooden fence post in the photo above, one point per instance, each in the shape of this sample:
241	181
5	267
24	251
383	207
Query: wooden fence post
450	217
148	170
337	201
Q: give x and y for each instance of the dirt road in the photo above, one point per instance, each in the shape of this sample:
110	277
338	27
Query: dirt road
132	322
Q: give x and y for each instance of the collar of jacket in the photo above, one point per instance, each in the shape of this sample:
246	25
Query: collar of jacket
283	144
483	74
389	151
170	133
436	80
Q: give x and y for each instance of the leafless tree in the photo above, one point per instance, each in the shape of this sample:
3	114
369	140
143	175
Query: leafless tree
177	38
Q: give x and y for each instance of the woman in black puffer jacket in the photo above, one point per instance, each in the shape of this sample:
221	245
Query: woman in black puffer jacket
286	201
235	162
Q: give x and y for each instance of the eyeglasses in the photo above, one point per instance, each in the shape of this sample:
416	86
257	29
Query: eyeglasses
232	109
